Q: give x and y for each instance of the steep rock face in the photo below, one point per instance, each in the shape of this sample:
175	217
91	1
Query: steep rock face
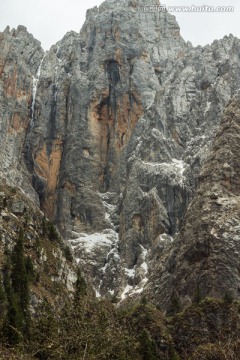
54	273
205	255
19	60
120	118
174	137
92	91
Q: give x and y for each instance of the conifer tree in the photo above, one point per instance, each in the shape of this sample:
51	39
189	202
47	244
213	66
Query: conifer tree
29	269
197	296
80	287
13	323
44	226
2	295
20	282
148	348
175	304
19	276
3	304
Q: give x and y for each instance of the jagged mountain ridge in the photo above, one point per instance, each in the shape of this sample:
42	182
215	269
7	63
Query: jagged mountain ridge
111	132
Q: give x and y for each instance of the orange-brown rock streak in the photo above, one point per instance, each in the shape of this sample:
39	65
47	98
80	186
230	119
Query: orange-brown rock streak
47	167
109	133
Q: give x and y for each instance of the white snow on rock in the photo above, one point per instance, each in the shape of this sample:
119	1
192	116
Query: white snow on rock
109	208
130	272
166	238
126	292
89	241
180	164
176	167
141	270
208	107
98	295
96	251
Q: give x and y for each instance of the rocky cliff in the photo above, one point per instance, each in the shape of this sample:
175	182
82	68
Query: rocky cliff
204	258
53	271
19	61
108	132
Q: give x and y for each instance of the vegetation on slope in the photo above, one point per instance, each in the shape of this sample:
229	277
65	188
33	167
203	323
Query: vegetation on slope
88	328
43	318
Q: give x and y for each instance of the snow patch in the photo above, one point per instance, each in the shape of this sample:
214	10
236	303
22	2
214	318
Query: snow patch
130	272
136	289
126	291
98	295
89	241
109	208
176	167
144	265
96	252
180	164
165	237
208	107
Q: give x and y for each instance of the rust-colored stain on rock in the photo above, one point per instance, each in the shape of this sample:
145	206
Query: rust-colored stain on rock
48	168
17	124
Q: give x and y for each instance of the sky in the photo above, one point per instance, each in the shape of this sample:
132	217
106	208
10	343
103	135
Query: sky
50	20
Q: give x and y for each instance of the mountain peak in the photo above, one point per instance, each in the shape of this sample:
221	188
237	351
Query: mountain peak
108	132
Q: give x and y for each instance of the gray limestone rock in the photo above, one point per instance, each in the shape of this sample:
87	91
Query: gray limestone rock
19	60
18	207
205	255
109	129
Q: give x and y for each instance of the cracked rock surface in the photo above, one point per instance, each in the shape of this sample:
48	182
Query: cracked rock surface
205	254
